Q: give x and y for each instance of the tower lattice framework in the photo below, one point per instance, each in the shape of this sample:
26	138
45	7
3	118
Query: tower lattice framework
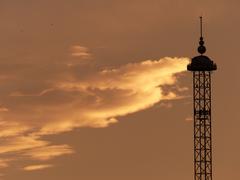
202	67
202	125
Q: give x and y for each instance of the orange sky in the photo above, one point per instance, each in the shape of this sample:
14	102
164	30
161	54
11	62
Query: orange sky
98	90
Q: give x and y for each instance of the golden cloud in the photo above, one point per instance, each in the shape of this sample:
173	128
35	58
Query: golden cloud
71	101
37	167
4	163
80	51
21	143
49	152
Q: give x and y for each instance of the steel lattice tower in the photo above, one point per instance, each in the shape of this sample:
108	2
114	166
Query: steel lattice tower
202	67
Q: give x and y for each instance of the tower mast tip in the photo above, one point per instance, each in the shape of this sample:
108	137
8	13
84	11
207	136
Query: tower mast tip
201	49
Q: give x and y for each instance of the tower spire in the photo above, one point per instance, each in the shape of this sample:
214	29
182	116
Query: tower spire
201	48
201	25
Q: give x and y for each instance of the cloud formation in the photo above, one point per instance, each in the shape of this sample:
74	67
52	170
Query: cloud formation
80	51
37	167
67	101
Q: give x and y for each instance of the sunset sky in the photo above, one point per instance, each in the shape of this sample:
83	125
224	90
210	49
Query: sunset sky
98	89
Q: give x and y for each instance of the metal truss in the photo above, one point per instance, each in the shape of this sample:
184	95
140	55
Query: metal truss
202	125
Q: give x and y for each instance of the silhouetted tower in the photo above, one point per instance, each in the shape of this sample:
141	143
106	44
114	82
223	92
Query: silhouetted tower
202	67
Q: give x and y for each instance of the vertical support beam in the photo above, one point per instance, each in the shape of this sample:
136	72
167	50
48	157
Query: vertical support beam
202	125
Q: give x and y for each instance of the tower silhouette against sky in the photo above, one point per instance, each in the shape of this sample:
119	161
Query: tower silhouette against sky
202	67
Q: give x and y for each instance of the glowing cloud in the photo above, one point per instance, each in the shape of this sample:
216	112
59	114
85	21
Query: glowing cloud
37	167
114	92
71	101
4	163
80	51
49	152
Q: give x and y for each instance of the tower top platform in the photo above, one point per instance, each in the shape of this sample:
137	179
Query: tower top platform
201	63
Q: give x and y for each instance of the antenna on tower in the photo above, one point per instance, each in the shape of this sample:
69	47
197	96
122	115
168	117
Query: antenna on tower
201	26
201	49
